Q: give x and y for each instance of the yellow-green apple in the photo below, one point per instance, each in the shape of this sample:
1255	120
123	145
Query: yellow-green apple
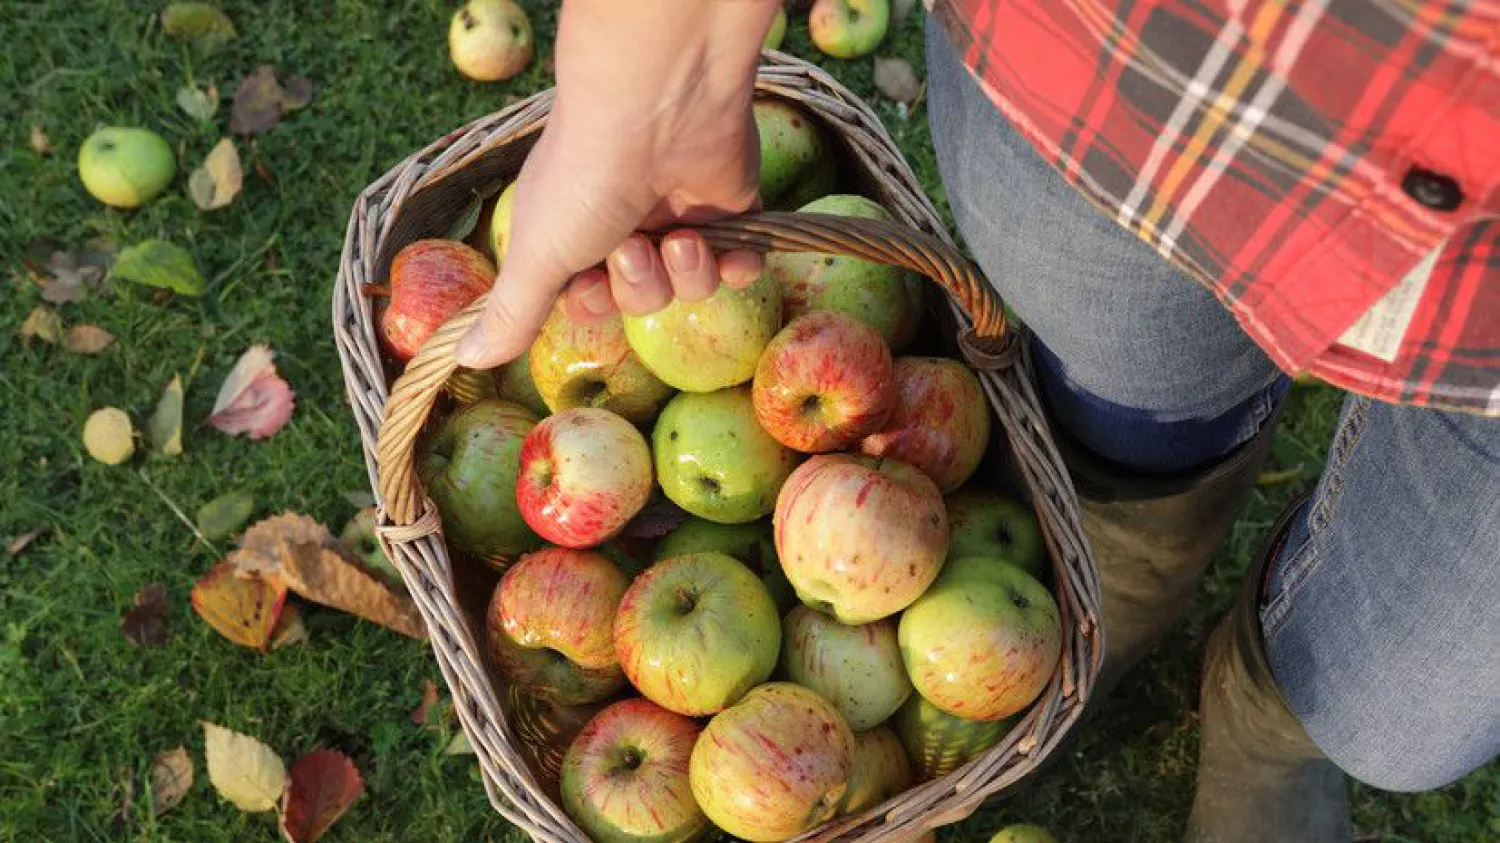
125	167
848	29
774	765
881	770
819	182
777	32
715	461
500	223
585	473
703	346
490	40
884	297
750	543
430	281
794	150
941	423
1023	833
982	643
983	523
860	538
469	467
576	364
625	777
857	668
551	623
544	731
514	384
937	743
825	382
697	631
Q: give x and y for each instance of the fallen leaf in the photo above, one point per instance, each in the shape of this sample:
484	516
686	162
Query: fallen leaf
895	79
200	23
243	608
87	339
262	542
171	779
40	143
108	436
70	277
259	100
328	577
423	710
218	181
21	542
164	428
245	771
323	785
459	745
465	224
296	93
145	624
289	628
43	323
254	399
157	263
358	498
225	514
198	103
655	520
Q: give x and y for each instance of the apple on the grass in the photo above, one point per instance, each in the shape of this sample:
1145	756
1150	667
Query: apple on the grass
714	460
584	474
430	281
860	538
490	40
774	765
826	381
469	468
695	632
752	544
125	167
625	777
848	29
551	624
703	346
1023	833
983	523
941	423
856	668
982	643
575	364
881	770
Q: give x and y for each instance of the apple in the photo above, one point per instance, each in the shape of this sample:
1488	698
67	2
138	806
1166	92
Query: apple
430	281
752	544
625	777
703	346
937	743
884	297
774	765
860	538
848	29
856	668
125	167
513	383
777	32
469	467
544	731
500	223
359	536
881	770
941	423
983	641
983	523
490	40
793	146
713	459
697	631
551	622
824	382
819	181
591	365
584	474
1023	833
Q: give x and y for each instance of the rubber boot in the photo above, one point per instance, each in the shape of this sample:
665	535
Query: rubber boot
1153	537
1260	778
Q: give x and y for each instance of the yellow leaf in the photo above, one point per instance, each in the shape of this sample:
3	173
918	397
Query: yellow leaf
218	181
244	609
171	779
43	323
164	428
245	771
40	143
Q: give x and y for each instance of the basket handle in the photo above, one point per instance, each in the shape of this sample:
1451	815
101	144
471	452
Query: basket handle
415	392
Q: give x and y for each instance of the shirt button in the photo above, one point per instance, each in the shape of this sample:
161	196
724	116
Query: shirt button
1434	190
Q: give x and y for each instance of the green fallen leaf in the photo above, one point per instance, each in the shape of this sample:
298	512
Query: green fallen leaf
164	429
200	23
157	263
224	514
199	104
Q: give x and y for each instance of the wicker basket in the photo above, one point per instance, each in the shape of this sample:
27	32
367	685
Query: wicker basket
426	193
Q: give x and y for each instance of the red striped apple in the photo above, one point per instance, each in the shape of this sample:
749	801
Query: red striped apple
551	624
860	538
881	770
823	383
575	364
941	423
584	474
774	765
857	668
625	777
430	281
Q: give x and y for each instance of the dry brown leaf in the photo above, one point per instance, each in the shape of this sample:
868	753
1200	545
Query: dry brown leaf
895	79
216	183
21	542
289	628
261	542
71	276
171	779
260	100
424	708
145	624
43	324
40	143
322	786
87	339
243	608
325	576
245	771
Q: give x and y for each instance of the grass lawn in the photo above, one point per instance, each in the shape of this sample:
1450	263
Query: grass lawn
83	712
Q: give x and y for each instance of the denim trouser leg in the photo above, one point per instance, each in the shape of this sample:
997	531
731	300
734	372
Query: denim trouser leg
1383	618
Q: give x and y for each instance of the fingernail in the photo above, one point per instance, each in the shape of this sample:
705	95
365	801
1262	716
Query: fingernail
682	255
633	259
469	349
596	299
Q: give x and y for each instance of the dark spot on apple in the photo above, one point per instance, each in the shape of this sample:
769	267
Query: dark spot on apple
912	571
1019	600
106	146
934	519
796	122
710	485
515	31
810	405
1004	535
828	261
468	18
672	436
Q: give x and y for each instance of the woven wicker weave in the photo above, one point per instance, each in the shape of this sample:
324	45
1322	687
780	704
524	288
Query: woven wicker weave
423	195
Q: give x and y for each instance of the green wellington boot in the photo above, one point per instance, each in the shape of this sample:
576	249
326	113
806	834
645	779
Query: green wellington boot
1260	778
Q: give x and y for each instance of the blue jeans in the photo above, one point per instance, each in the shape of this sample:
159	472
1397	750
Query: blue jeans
1382	616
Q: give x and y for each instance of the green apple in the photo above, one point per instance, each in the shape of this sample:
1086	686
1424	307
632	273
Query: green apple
703	346
881	770
1023	833
983	523
856	668
777	32
752	544
713	459
514	382
469	467
848	29
500	223
794	150
577	364
883	297
937	743
820	180
125	167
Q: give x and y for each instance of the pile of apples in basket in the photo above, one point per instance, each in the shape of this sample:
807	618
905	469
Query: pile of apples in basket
745	584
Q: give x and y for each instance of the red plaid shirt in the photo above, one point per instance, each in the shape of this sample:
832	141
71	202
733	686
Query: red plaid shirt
1329	169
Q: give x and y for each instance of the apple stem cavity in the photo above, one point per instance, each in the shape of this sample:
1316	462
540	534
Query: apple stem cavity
811	405
687	601
710	485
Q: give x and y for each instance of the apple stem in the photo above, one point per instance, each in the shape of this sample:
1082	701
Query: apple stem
375	290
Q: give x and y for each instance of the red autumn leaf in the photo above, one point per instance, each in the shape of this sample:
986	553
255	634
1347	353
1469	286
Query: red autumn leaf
322	787
254	399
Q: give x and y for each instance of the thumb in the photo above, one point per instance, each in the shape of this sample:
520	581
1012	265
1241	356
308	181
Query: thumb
513	316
